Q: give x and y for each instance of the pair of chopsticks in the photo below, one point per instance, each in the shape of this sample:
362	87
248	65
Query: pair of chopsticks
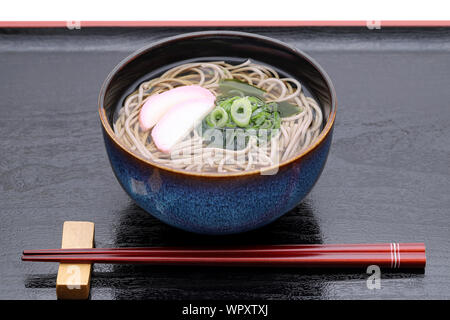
385	255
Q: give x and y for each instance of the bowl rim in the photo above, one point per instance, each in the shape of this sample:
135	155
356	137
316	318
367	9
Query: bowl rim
325	131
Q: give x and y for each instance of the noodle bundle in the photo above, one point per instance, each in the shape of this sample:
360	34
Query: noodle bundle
195	153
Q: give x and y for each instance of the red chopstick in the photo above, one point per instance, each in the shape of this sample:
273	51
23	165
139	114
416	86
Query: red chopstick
382	259
252	250
391	255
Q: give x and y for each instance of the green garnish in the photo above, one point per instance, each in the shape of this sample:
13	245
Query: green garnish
287	109
241	111
234	88
237	118
218	118
267	124
255	102
231	88
226	103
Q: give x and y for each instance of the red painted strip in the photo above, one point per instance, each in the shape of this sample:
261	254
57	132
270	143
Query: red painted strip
255	23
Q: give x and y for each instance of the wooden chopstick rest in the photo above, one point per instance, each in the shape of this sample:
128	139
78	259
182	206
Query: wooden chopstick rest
73	280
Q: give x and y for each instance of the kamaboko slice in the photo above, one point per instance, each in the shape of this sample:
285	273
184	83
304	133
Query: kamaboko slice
179	121
159	104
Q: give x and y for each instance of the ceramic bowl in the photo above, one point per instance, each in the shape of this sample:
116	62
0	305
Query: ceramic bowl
215	203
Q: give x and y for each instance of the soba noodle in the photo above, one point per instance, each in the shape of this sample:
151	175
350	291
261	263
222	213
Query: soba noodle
296	132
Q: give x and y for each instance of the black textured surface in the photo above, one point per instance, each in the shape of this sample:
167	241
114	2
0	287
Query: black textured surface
387	176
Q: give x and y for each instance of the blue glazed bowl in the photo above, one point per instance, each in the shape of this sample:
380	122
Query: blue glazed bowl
215	203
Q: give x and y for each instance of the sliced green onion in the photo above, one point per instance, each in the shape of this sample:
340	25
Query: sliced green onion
273	107
226	104
209	122
266	125
256	103
256	112
218	118
241	111
259	119
227	87
248	116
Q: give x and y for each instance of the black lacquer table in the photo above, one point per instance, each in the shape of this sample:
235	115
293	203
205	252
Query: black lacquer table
387	177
